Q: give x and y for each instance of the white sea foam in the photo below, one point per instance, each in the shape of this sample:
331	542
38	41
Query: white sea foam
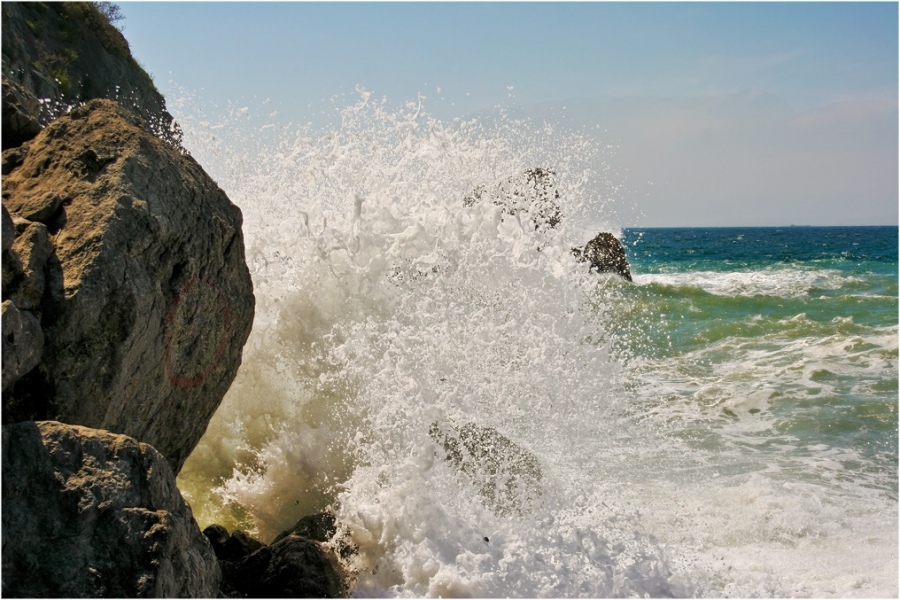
779	282
385	305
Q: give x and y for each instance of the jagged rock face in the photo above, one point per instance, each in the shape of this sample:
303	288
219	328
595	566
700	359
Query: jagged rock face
147	300
87	513
66	53
533	192
605	255
507	475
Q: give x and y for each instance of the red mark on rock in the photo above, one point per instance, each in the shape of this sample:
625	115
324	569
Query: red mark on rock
187	328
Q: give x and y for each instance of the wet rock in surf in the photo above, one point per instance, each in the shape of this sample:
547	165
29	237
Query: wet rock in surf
532	192
87	513
319	527
507	475
605	255
232	547
322	527
292	567
296	564
146	310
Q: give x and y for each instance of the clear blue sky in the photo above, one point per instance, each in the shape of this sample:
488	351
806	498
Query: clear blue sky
738	113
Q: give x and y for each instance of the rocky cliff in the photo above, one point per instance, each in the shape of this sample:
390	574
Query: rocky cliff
126	305
59	54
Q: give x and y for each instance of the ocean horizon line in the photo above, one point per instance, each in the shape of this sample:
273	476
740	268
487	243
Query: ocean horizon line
633	227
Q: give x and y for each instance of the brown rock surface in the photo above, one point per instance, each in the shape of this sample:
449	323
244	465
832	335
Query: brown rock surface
87	513
145	326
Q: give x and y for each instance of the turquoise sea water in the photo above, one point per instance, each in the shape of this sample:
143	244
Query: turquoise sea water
793	327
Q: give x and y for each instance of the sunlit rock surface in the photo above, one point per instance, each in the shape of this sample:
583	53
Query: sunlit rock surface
146	300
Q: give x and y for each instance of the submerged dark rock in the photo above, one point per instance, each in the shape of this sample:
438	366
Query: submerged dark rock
507	475
293	566
234	547
605	255
87	513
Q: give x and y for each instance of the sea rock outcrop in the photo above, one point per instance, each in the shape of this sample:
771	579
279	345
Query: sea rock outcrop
507	475
60	54
605	255
126	304
532	192
88	513
144	296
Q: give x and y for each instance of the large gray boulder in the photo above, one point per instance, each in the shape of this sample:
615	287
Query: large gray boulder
146	300
87	513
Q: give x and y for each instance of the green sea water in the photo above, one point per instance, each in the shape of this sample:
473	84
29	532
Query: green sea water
783	340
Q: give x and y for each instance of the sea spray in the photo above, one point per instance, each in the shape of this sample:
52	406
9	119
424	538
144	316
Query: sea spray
666	419
387	304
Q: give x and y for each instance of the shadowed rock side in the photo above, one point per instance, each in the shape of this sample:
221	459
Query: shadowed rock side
144	296
90	514
532	192
297	564
66	53
605	255
506	474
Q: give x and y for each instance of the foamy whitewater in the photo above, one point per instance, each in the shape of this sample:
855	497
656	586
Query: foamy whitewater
670	466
